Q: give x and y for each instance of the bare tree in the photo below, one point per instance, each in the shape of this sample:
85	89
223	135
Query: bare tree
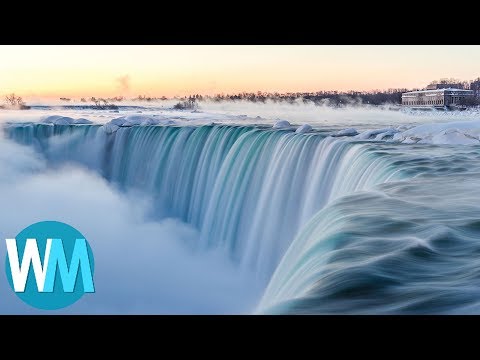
14	101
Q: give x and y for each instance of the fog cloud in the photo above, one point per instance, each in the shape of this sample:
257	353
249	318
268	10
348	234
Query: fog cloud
123	83
141	266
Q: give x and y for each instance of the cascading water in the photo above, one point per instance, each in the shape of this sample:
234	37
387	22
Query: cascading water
266	219
406	247
247	189
326	225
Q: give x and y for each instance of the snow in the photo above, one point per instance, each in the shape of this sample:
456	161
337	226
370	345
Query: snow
282	124
358	123
135	120
386	134
373	134
305	128
346	132
438	91
452	133
411	140
445	133
110	128
117	122
64	120
82	121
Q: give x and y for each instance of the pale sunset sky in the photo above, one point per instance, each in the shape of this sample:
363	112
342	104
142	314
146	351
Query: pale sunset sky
79	71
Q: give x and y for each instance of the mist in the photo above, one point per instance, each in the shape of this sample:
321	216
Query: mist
142	266
123	83
148	266
360	116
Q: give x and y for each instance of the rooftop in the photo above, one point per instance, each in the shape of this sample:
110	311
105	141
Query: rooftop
437	90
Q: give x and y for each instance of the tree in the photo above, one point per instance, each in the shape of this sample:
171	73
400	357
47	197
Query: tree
14	101
189	104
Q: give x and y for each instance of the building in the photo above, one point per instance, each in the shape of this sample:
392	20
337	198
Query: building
438	98
443	86
475	86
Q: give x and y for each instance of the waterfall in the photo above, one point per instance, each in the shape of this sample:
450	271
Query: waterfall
248	189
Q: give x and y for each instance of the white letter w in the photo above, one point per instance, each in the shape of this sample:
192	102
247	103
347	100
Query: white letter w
30	255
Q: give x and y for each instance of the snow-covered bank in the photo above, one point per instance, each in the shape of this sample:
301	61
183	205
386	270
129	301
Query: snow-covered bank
447	133
242	113
451	133
362	123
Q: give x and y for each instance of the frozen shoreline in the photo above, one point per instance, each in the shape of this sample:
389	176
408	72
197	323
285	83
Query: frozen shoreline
359	122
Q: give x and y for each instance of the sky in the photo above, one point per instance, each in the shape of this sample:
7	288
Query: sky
161	70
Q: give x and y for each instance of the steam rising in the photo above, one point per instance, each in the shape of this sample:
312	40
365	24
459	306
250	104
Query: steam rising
123	83
142	266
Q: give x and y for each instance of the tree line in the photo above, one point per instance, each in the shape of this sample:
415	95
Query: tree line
332	98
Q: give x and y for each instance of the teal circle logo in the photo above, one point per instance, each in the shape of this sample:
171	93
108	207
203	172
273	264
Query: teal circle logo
49	265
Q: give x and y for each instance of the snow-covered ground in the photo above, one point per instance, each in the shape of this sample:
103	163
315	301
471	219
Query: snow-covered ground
362	122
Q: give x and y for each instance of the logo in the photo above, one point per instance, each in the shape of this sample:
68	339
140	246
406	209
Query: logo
49	265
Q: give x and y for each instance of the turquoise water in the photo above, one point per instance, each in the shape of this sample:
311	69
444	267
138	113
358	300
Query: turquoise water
328	225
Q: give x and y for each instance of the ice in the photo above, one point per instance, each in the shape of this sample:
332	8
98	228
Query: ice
282	124
305	128
134	120
64	120
110	128
82	121
373	134
411	140
57	120
386	134
117	122
451	136
346	132
452	133
360	123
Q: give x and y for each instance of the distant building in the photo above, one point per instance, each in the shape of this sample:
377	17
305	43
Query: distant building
475	86
449	97
443	86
